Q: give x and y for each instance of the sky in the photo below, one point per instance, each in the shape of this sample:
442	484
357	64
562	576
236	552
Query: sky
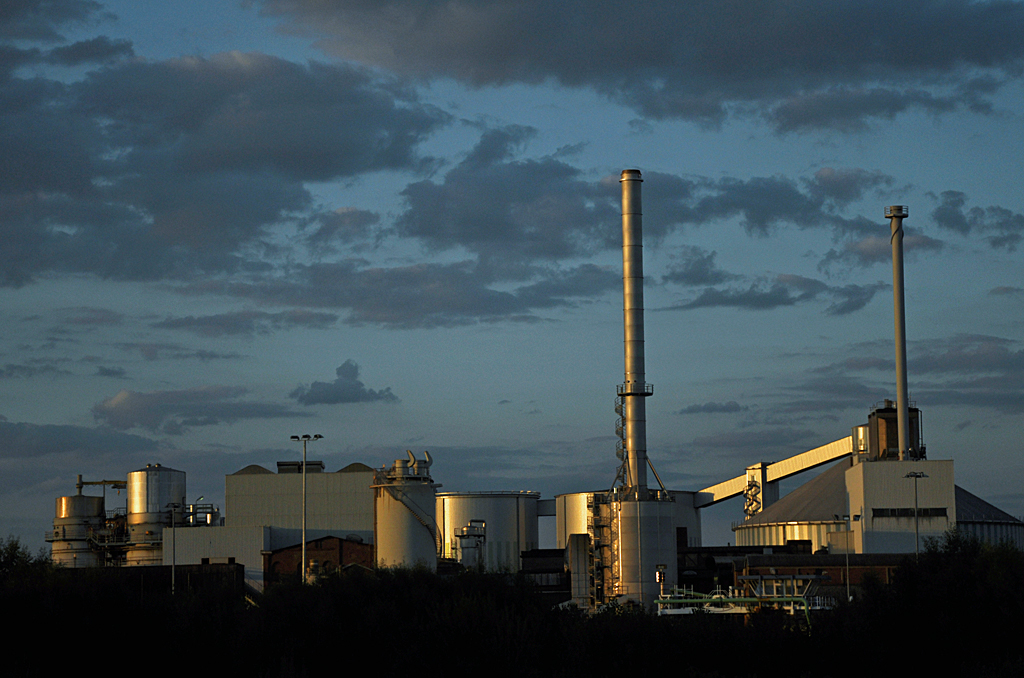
396	224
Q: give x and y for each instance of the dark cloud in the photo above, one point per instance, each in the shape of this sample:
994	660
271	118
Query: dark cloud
850	298
700	60
40	19
420	295
115	372
1006	290
856	364
964	370
967	354
785	290
560	288
875	249
174	412
766	442
35	440
31	369
148	170
756	297
163	351
342	226
695	266
88	316
843	186
763	203
248	322
1004	228
713	408
833	392
851	110
345	389
533	210
97	50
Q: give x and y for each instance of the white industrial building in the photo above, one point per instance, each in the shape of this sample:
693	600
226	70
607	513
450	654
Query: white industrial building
263	513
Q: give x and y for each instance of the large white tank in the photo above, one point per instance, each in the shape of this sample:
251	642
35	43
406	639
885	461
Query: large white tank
572	513
152	492
76	519
646	544
510	525
405	529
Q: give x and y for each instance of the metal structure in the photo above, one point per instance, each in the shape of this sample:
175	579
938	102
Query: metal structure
755	484
896	214
405	527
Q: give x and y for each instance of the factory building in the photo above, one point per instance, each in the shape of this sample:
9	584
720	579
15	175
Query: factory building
885	496
87	534
620	543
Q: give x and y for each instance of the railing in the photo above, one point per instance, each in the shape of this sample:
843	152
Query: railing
635	389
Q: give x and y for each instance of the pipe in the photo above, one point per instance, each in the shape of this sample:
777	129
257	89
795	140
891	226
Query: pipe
896	214
635	388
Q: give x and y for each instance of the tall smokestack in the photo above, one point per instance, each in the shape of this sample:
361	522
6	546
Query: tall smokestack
896	214
635	388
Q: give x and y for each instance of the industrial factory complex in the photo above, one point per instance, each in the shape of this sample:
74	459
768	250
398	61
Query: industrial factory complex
631	541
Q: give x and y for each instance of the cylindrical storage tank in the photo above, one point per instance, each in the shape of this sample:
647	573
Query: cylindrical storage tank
76	518
646	540
152	491
571	515
510	520
405	529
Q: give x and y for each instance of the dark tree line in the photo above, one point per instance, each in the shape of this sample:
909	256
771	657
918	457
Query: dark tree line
957	611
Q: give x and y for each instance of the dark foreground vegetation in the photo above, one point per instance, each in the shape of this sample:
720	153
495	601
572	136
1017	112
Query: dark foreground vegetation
957	612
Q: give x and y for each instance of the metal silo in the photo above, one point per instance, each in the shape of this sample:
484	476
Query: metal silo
405	530
76	519
573	516
155	493
509	521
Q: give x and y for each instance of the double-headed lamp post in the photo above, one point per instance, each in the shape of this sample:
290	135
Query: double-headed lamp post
304	439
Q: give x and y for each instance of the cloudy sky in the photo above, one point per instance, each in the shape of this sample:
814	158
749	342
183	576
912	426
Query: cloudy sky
396	224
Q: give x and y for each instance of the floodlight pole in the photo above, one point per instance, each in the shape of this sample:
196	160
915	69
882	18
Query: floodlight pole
304	439
174	543
917	534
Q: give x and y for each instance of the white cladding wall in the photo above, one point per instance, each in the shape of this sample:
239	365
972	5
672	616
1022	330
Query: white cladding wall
511	524
875	488
341	502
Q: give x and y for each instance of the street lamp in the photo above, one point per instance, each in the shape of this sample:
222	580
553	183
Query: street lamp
174	506
304	439
849	531
917	533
